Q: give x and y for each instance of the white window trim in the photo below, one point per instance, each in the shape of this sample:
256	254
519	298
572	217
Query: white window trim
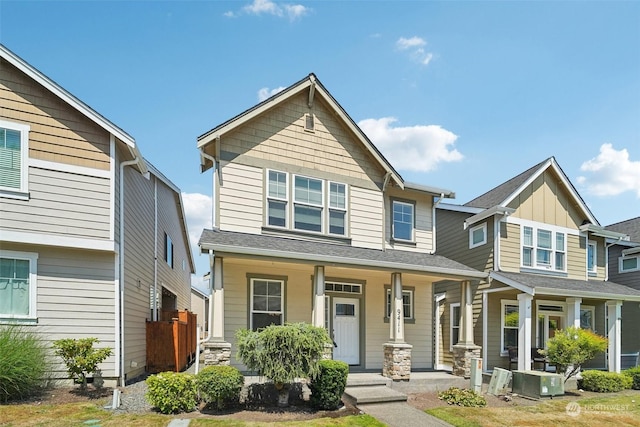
451	327
623	258
413	219
32	257
387	307
251	310
553	250
504	303
268	197
595	256
345	210
21	193
482	226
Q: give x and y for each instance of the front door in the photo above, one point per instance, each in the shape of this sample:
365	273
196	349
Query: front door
346	330
548	324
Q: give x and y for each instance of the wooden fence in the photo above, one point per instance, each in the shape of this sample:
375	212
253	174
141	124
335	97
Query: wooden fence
172	341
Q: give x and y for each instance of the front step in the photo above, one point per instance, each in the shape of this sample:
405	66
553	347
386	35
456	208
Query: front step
373	394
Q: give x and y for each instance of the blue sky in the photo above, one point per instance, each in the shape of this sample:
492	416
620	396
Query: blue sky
459	95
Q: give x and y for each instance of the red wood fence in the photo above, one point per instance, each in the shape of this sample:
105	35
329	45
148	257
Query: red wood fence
172	341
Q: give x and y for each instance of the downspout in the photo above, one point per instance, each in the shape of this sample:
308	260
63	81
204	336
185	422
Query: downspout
210	314
213	186
155	249
496	244
433	222
387	176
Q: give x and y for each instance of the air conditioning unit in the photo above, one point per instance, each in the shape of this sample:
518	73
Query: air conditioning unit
537	384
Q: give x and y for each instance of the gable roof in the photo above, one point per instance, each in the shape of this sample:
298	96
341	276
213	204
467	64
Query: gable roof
504	193
74	102
316	88
630	227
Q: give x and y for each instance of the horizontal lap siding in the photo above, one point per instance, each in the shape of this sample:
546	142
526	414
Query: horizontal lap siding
453	240
241	198
60	203
366	218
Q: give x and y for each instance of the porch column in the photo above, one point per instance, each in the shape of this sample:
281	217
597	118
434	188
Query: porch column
397	353
614	310
573	311
524	331
317	313
465	349
216	350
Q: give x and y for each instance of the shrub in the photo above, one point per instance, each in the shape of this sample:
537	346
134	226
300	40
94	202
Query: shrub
220	385
172	392
634	373
571	347
23	363
604	382
328	386
462	397
80	357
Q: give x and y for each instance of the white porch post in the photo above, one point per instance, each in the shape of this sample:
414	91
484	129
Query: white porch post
217	301
396	318
614	309
573	311
524	331
317	315
397	354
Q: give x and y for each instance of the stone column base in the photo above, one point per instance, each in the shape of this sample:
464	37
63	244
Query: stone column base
217	353
397	361
462	355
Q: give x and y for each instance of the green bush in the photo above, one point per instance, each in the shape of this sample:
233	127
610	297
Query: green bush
634	373
23	363
220	385
327	387
462	397
571	347
80	357
172	392
604	382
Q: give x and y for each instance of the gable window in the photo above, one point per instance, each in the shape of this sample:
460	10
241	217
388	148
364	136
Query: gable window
544	249
627	264
18	281
277	199
267	302
478	235
407	303
592	265
402	228
168	250
337	208
307	210
454	330
14	154
309	124
509	321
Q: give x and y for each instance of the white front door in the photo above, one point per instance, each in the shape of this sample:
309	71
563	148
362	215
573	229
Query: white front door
346	330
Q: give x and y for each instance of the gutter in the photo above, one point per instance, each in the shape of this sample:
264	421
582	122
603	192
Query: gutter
216	170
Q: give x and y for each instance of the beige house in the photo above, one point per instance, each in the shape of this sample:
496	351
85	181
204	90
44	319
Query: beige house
90	233
546	256
312	224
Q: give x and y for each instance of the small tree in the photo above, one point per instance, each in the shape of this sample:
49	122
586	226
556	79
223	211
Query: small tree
80	357
571	347
283	353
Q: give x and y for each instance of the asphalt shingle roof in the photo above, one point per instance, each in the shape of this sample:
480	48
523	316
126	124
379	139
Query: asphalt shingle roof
630	227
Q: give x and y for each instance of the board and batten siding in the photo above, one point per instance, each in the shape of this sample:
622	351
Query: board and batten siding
365	215
241	198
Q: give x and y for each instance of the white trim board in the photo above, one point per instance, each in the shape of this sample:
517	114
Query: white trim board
63	167
57	240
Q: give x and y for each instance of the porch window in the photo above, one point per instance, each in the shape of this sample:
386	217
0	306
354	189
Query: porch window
14	155
478	236
587	316
402	220
543	249
307	210
18	281
267	302
592	257
509	325
454	331
627	264
277	199
407	303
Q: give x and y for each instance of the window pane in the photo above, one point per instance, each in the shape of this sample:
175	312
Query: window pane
591	255
402	221
526	257
260	303
543	257
560	242
544	239
630	264
274	303
308	190
277	213
510	338
262	320
10	158
455	320
14	286
308	218
336	222
511	316
478	236
455	335
337	196
527	236
559	261
277	184
345	310
586	319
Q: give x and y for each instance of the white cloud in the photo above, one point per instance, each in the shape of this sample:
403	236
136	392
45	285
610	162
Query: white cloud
415	148
611	173
229	14
197	209
268	7
265	92
415	46
404	44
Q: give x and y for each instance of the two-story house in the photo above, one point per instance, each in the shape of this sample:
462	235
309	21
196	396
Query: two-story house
546	256
312	224
91	234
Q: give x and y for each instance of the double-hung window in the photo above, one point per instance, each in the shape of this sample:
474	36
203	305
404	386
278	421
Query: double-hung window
267	303
308	204
14	154
454	331
337	208
407	303
18	282
592	265
509	324
543	248
403	220
277	199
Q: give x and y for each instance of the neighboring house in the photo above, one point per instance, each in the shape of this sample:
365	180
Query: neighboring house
624	268
83	217
546	257
200	306
312	224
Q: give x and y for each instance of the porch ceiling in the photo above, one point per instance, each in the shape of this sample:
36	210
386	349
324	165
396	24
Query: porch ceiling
538	284
282	248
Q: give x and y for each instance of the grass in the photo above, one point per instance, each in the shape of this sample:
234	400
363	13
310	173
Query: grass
619	410
92	414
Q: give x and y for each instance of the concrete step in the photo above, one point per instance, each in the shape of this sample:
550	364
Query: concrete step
362	380
374	394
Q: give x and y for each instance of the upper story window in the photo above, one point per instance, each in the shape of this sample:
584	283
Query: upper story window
627	264
544	249
403	220
18	281
168	250
14	154
592	262
318	206
478	235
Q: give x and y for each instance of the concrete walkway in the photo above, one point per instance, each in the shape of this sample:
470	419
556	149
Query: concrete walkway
401	414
